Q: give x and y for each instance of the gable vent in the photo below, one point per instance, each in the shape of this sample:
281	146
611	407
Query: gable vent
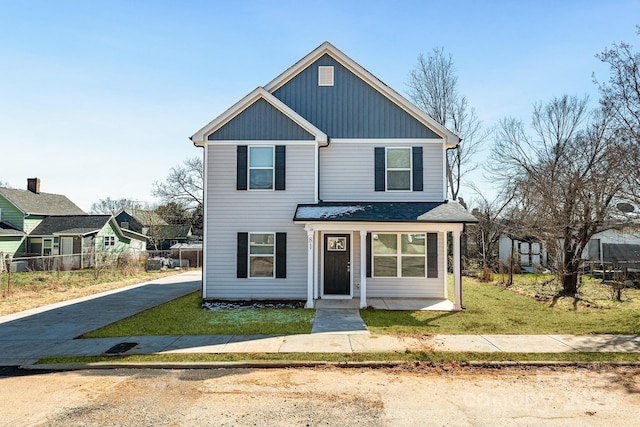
325	75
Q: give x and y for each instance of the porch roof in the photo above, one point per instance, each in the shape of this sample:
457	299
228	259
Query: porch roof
433	212
71	225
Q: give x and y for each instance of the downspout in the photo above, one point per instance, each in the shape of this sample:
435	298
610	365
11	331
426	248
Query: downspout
319	147
203	292
446	159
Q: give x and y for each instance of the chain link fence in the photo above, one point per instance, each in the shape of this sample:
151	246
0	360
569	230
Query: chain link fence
151	260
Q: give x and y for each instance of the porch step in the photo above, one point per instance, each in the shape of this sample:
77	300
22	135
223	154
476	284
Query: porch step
338	321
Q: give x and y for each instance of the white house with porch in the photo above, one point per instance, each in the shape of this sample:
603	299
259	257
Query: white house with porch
327	184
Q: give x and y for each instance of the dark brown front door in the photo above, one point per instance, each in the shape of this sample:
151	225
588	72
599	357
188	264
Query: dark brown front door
337	268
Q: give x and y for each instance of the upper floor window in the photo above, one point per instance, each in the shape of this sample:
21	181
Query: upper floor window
398	161
398	169
261	168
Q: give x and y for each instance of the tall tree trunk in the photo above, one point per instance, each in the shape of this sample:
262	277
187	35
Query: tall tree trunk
570	277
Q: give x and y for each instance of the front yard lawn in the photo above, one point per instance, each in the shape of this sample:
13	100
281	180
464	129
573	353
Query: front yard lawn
494	309
185	316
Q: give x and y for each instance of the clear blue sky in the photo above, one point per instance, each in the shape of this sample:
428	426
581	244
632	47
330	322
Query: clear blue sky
98	98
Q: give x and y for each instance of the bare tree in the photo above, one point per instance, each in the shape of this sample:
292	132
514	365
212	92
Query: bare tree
433	86
565	179
4	184
184	185
491	225
110	206
621	96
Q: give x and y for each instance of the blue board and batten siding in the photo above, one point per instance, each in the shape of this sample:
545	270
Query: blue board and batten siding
261	121
351	108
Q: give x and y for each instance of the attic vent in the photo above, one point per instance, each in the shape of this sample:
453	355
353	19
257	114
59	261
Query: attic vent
325	76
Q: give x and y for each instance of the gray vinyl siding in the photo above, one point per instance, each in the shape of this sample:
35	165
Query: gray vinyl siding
347	173
261	121
351	108
230	211
404	287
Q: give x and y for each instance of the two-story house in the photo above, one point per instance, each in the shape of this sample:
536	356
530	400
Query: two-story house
326	183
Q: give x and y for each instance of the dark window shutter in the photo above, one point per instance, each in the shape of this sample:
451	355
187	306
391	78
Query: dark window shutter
432	255
280	166
281	255
380	168
368	254
241	168
417	168
243	255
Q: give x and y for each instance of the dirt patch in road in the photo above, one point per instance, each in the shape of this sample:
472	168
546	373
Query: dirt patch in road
407	395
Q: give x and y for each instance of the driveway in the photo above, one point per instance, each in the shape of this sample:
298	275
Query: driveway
27	336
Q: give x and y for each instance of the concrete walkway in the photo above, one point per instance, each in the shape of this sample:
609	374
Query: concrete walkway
338	317
28	336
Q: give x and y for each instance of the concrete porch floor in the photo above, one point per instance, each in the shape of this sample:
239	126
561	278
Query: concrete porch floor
411	304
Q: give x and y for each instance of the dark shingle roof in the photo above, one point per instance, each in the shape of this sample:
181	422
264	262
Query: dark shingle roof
41	203
146	218
70	224
9	230
443	212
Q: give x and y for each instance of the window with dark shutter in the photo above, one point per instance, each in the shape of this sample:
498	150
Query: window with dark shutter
417	169
281	255
242	255
380	169
432	255
280	167
368	254
241	168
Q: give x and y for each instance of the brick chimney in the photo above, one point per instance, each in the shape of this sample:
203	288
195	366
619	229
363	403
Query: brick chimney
33	185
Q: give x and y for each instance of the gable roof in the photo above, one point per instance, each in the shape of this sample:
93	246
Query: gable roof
71	224
451	139
30	203
144	217
267	93
259	93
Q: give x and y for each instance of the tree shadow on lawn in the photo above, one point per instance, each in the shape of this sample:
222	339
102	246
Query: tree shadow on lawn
391	319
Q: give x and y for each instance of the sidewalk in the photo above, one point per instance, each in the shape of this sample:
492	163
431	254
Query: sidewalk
28	336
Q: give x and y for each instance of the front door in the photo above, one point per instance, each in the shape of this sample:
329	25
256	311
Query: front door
66	250
337	264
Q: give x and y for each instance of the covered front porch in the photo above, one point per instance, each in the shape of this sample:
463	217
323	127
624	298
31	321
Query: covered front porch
409	304
383	255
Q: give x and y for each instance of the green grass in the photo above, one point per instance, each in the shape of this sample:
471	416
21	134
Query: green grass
185	316
352	357
492	309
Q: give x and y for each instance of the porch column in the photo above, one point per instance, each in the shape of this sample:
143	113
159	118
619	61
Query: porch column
363	269
457	273
310	265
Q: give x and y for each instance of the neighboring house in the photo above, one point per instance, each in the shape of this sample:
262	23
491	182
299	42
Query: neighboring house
78	237
21	211
326	183
528	253
616	244
160	234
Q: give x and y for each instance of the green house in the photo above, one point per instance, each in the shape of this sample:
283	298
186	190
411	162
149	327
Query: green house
21	211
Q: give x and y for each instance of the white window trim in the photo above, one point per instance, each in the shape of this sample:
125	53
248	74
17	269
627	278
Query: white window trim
387	169
272	168
273	273
326	75
110	237
47	239
399	255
